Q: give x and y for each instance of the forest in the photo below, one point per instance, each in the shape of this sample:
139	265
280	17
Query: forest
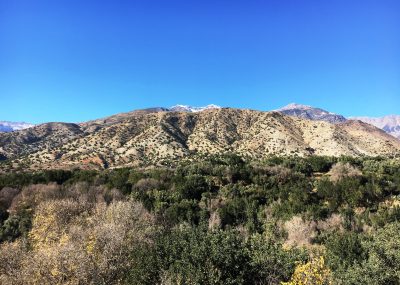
215	220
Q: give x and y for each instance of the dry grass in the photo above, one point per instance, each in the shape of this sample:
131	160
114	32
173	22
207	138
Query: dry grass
342	170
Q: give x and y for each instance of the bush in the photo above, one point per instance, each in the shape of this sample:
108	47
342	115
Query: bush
344	250
312	273
195	256
184	211
383	263
16	225
193	187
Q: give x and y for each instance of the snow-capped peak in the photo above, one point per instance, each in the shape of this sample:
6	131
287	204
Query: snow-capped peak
186	108
311	113
292	106
6	126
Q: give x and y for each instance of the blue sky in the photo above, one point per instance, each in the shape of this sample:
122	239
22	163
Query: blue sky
74	60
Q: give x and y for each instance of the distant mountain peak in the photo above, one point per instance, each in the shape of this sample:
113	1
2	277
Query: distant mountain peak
191	109
292	106
390	123
6	126
311	113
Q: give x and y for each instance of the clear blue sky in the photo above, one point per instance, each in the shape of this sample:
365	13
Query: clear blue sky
74	60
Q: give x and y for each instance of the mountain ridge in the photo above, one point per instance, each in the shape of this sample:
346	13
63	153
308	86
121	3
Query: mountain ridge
390	123
161	137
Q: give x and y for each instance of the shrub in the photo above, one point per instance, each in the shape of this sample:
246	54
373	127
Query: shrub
383	263
193	187
344	250
341	170
312	273
300	232
16	225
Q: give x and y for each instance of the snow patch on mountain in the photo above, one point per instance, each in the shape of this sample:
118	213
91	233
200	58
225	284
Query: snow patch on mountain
191	109
6	126
311	113
292	106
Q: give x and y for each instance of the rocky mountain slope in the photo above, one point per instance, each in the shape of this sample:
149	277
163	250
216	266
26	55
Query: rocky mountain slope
6	126
157	136
390	124
311	113
43	137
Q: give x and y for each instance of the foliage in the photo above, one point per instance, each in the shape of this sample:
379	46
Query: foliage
312	273
197	256
16	225
383	263
213	220
344	250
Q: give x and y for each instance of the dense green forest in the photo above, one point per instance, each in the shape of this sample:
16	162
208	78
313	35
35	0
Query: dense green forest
216	220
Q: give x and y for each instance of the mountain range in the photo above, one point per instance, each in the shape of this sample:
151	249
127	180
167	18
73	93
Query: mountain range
7	126
390	124
161	136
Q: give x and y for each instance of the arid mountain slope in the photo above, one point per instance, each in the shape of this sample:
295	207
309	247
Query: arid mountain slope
158	137
42	137
97	124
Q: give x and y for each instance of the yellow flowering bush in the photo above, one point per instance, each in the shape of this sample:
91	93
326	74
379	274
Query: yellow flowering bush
311	273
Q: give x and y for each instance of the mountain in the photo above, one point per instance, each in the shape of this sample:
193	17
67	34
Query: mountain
311	113
390	124
94	125
6	126
37	139
190	109
148	137
121	116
